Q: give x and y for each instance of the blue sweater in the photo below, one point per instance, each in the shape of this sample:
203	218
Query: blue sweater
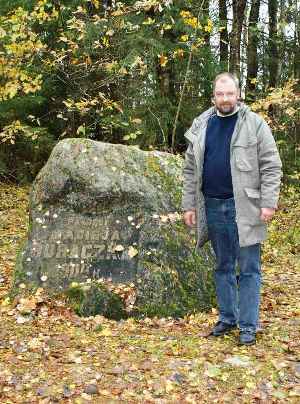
216	180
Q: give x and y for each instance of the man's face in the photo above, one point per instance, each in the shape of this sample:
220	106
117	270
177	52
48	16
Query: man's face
226	95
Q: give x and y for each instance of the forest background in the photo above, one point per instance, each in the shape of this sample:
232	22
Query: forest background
138	72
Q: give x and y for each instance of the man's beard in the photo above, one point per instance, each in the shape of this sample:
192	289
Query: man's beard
226	109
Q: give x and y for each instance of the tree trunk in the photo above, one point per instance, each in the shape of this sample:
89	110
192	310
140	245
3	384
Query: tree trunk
238	7
297	48
273	43
223	34
283	42
252	60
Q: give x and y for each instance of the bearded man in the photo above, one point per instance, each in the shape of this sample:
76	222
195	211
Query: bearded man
231	187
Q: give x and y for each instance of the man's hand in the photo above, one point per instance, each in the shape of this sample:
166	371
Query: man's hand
267	214
189	218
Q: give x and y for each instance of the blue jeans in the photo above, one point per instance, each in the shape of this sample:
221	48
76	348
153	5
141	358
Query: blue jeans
238	296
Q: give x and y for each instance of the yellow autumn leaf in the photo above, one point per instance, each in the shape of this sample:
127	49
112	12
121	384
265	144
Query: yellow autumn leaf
209	26
192	22
291	111
138	121
163	60
110	66
104	392
106	332
184	38
5	302
95	3
178	53
199	42
169	386
132	252
63	39
105	42
110	32
185	14
117	13
123	71
26	305
250	385
88	60
164	218
74	285
149	21
2	33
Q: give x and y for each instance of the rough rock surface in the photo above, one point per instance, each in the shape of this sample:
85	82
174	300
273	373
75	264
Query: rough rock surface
103	211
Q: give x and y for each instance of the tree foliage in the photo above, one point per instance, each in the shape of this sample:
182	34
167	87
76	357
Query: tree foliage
133	72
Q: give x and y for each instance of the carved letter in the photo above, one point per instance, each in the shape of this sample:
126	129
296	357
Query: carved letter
99	249
56	235
68	235
36	250
115	235
49	250
94	235
74	253
79	235
85	253
62	251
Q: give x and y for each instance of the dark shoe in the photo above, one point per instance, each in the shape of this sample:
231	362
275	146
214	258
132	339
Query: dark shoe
222	328
247	338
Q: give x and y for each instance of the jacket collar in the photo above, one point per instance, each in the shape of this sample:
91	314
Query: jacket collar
203	119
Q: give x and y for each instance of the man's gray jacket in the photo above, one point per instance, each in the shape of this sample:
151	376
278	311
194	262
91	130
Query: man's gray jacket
255	170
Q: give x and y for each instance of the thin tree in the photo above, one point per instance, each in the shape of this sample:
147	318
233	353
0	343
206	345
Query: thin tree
252	59
238	8
297	43
273	43
184	84
223	34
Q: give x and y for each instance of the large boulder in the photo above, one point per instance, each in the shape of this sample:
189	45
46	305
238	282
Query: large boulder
106	216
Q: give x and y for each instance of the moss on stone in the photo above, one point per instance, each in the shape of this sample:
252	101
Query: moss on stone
165	177
175	280
91	299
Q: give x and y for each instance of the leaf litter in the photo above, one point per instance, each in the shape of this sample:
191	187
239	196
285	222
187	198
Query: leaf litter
49	354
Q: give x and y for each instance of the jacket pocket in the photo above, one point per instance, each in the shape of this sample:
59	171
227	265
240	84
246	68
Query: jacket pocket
245	153
243	164
252	193
250	210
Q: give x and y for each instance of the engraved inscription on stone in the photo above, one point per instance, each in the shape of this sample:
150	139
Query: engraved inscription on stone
87	247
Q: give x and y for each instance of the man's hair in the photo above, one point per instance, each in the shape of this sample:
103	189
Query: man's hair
226	75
